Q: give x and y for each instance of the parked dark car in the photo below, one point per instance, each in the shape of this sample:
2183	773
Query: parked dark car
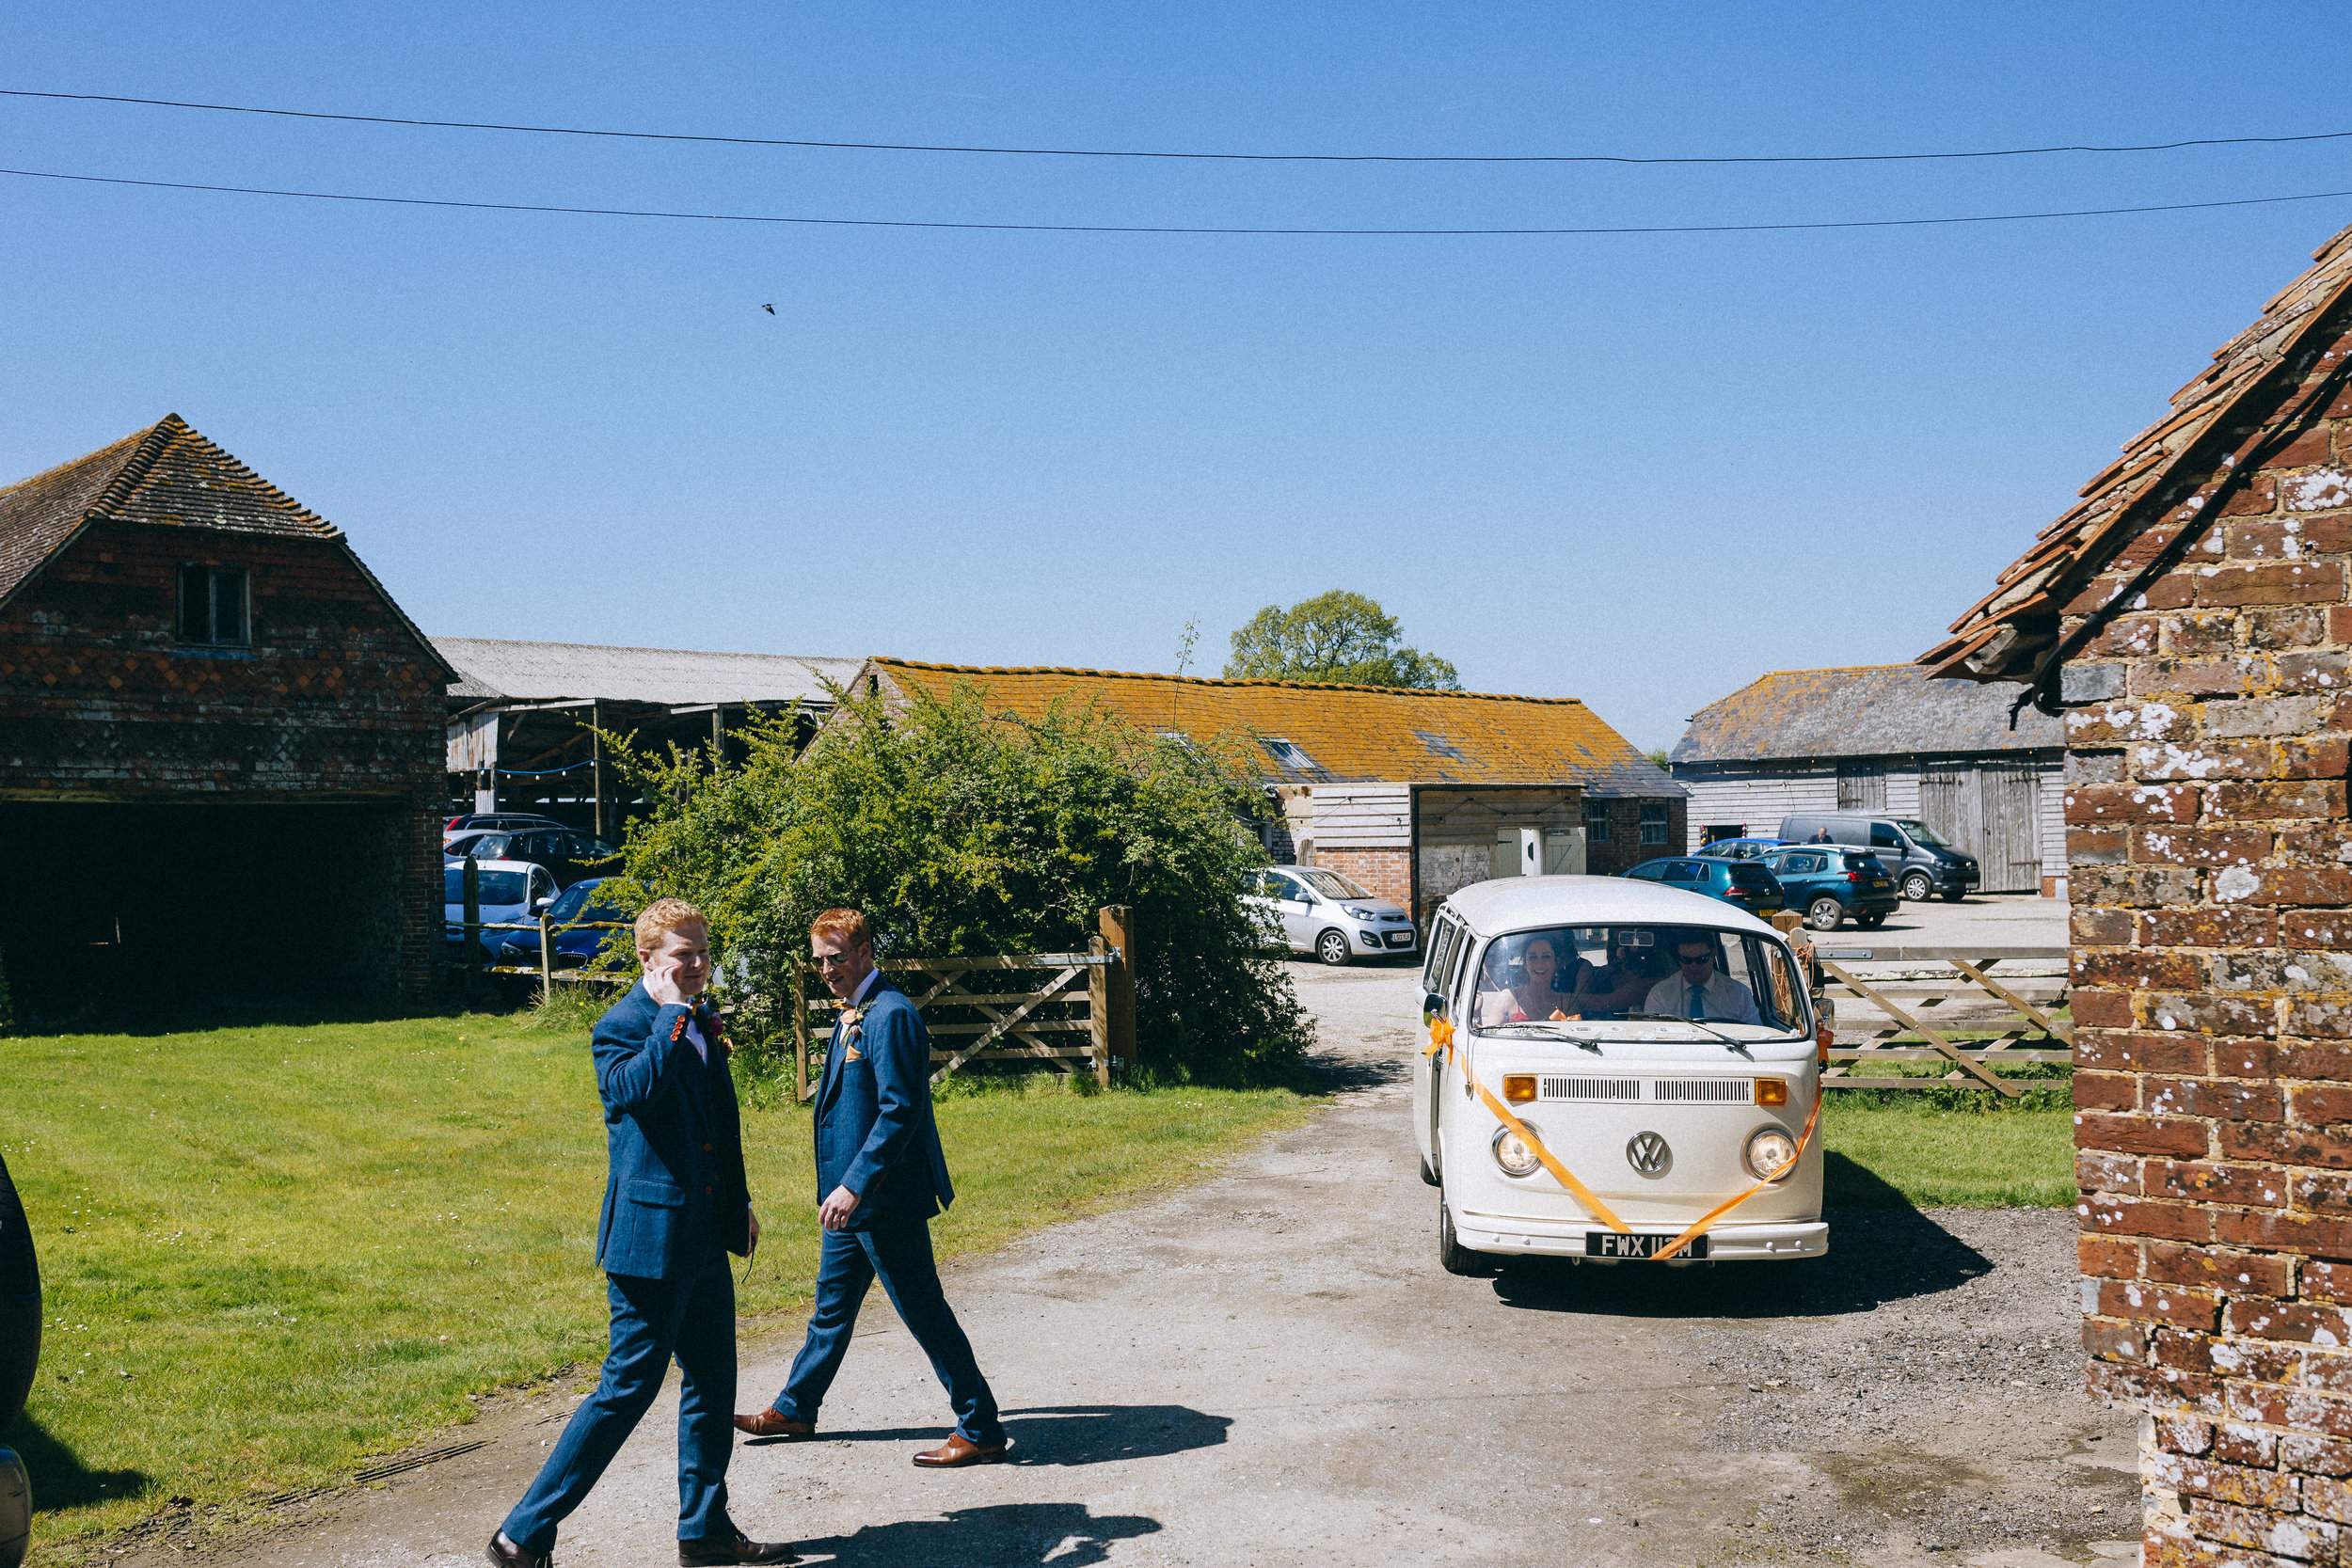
1744	884
575	949
569	854
1829	882
1922	863
1739	848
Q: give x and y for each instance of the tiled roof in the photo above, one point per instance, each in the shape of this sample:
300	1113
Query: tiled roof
2261	383
1336	733
1861	710
491	669
166	474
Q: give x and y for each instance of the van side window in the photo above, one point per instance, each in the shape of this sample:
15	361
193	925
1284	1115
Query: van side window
1884	837
1441	950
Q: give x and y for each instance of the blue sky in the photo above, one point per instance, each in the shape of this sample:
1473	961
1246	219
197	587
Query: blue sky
1637	470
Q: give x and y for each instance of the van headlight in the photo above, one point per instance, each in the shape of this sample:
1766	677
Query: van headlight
1770	1154
1513	1153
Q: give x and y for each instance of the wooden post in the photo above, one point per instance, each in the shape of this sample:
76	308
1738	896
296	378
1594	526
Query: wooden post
546	959
470	943
1099	1011
1117	924
800	1036
718	740
596	759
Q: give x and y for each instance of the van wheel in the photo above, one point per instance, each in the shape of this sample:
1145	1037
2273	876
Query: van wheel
1452	1256
1332	948
1872	920
1954	897
1825	915
1916	887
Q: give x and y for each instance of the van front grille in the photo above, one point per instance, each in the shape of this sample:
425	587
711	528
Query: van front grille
1591	1088
1706	1091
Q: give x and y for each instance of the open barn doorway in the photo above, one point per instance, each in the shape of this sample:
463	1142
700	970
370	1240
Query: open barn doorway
135	906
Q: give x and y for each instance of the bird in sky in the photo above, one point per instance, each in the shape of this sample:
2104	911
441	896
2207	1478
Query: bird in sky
769	309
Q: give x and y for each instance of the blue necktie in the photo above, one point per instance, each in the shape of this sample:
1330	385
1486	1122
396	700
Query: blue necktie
1697	1009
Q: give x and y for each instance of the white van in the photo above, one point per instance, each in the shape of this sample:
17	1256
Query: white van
1611	1065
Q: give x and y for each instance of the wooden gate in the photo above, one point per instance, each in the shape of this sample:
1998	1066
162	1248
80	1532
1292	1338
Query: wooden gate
1931	1004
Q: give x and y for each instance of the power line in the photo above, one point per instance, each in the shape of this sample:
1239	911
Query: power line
1215	157
1158	229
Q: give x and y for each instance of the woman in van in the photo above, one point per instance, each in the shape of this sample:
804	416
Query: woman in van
1529	993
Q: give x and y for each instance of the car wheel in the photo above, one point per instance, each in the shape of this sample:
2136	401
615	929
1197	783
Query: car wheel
1872	920
1825	914
1452	1256
1332	948
1916	887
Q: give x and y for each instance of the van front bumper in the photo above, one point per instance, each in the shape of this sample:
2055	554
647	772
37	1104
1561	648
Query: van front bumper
1771	1240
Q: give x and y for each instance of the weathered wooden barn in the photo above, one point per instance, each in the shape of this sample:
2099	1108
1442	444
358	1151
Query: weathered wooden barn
2190	618
220	740
1885	738
525	717
1412	793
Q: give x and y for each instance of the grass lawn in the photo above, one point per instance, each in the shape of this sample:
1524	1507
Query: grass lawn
270	1252
1884	1154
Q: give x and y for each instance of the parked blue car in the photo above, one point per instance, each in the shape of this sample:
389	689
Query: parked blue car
1744	884
1830	881
1739	849
574	949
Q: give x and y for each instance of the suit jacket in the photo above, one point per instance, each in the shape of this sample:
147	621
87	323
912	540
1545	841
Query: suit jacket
675	1195
874	1130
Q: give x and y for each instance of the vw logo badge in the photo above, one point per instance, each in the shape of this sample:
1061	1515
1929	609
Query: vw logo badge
1647	1153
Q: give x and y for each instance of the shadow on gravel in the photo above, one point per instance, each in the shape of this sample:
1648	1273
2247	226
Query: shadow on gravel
1000	1536
1876	1256
1069	1434
1323	1075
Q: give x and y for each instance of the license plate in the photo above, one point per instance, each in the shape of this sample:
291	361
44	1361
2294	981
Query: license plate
1881	884
1608	1244
1400	939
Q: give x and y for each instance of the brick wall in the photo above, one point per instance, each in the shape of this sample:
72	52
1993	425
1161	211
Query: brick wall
1624	848
1387	873
335	700
2211	900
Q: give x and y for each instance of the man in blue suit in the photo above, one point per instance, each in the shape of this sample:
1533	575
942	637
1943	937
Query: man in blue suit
675	1205
880	1179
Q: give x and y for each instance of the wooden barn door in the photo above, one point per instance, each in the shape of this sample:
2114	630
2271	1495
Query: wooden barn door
2012	858
1949	803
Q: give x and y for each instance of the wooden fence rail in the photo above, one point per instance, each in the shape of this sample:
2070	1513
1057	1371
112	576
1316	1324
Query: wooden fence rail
1951	1003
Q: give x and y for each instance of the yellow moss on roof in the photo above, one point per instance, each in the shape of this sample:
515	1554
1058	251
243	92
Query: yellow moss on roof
1346	731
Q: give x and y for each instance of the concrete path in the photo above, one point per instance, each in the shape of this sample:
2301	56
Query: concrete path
1268	1368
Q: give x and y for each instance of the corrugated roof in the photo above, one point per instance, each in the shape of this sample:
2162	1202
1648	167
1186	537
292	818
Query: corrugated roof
1861	710
2261	383
167	474
1311	733
491	668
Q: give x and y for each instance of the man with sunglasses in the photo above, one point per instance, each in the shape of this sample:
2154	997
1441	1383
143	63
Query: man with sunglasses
1697	991
881	1176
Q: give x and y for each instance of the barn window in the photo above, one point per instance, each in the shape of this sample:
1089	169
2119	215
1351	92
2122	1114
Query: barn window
1653	824
1596	821
212	606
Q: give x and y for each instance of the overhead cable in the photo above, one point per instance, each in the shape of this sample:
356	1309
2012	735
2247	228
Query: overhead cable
1214	157
1159	227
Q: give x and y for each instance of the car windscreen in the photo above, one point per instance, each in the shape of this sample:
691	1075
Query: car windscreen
1330	884
1921	833
498	887
1578	973
574	904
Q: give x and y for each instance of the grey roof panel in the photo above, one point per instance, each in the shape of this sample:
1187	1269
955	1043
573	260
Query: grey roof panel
492	669
1860	711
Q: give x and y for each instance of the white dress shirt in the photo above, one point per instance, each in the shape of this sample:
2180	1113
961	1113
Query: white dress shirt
1723	999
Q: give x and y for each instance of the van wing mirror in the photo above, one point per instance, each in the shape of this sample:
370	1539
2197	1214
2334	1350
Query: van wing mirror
1432	1007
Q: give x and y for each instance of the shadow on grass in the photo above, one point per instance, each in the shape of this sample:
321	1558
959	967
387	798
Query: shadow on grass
59	1478
1004	1535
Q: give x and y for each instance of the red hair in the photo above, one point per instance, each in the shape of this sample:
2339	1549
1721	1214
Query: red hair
850	928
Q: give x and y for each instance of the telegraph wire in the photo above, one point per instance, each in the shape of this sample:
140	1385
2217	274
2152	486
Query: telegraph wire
1205	158
1160	228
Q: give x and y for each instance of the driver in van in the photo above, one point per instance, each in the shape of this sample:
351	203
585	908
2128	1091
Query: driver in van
1529	996
1618	986
1697	991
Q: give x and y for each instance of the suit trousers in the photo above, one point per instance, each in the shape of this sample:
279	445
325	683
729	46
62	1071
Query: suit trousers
653	1319
901	1256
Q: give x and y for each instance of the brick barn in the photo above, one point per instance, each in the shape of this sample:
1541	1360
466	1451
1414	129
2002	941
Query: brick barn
1410	794
2189	619
220	742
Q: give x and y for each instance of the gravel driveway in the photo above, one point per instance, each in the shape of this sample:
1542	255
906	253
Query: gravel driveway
1268	1368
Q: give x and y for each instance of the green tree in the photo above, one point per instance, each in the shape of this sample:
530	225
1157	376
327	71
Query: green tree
1337	636
963	832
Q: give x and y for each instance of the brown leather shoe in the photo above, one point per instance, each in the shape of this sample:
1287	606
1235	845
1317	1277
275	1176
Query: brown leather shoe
517	1557
960	1450
735	1546
772	1423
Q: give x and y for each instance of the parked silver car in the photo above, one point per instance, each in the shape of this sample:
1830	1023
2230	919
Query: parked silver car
1313	911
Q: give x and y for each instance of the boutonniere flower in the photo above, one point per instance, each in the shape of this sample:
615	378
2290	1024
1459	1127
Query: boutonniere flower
852	1020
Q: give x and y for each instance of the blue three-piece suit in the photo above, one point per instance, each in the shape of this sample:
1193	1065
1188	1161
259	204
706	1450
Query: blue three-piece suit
875	1136
675	1206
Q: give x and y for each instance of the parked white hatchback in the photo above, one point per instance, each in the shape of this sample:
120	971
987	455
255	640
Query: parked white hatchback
1310	910
1617	1071
508	891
